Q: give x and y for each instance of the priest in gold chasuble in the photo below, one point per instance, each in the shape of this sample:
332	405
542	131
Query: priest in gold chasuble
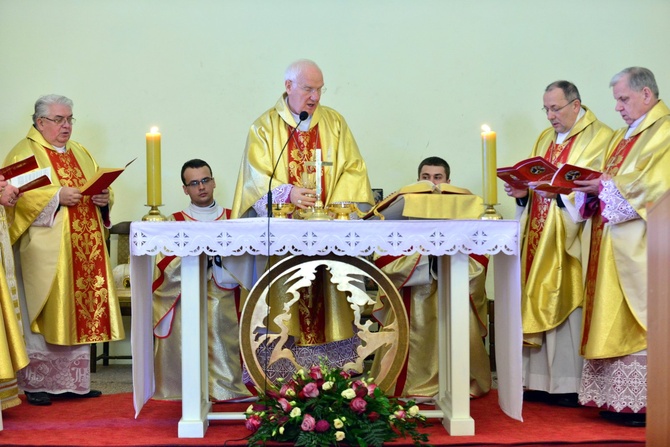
552	250
614	337
13	354
65	278
323	316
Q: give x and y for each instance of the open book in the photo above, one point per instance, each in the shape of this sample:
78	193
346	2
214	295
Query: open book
102	179
422	200
24	174
537	169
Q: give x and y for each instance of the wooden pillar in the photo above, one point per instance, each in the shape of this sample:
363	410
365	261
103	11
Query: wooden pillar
658	335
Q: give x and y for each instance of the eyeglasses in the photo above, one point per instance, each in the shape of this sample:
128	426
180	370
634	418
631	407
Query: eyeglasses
196	183
311	90
555	109
60	120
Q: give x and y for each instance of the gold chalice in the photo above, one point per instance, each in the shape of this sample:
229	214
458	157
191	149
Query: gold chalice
341	210
282	210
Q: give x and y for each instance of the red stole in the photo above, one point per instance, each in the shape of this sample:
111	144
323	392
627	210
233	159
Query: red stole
89	267
612	167
301	150
539	207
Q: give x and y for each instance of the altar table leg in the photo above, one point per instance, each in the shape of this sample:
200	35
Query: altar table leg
453	341
194	345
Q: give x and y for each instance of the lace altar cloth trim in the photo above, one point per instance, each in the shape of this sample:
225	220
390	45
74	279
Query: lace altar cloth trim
353	238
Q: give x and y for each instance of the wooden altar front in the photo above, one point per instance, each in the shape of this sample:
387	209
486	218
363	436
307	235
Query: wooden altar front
451	240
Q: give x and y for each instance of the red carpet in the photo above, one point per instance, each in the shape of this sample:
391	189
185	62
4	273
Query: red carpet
109	421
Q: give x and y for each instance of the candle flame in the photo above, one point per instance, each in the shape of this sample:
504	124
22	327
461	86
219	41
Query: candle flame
486	128
154	129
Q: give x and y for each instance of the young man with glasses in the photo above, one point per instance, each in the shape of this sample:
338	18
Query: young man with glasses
223	302
553	251
64	274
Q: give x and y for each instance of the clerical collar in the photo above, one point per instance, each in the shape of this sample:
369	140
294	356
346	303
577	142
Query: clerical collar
204	213
60	150
304	126
560	138
633	126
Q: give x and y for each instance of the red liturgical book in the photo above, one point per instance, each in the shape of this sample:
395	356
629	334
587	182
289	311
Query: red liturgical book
102	179
537	169
34	184
18	168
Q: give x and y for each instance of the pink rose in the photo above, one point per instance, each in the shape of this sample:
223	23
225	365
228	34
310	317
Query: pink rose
316	373
371	389
308	423
285	405
252	423
310	390
345	375
322	425
358	405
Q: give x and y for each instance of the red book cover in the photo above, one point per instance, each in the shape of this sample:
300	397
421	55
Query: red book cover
102	179
18	168
534	169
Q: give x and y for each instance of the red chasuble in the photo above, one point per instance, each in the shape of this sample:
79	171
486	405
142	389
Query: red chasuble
301	149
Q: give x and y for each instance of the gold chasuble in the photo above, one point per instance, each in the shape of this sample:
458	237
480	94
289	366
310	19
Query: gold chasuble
345	181
615	309
323	314
552	279
66	270
13	354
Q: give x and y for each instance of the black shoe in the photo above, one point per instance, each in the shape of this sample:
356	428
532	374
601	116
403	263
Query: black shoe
40	399
536	396
71	395
570	400
627	419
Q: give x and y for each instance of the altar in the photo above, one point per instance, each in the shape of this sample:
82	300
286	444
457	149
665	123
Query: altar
451	240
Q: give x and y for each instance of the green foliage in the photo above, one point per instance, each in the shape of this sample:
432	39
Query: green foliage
327	407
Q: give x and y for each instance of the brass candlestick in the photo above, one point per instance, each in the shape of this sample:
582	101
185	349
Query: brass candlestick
490	213
154	215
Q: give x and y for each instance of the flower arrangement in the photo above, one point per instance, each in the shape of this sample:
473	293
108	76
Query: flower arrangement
327	407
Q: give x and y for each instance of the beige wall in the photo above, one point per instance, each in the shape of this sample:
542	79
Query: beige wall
413	78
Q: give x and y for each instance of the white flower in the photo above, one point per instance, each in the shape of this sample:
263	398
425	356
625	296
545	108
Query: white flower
348	393
250	409
327	385
339	435
337	423
295	412
413	410
281	430
290	392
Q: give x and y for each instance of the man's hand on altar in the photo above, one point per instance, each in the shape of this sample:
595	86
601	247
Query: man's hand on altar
515	192
101	199
69	196
303	197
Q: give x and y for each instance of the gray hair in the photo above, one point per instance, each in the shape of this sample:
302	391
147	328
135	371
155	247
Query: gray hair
569	89
638	78
296	68
44	102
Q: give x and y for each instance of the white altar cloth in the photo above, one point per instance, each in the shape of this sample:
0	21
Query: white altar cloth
452	240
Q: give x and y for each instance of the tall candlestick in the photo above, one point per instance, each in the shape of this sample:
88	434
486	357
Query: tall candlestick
489	166
154	167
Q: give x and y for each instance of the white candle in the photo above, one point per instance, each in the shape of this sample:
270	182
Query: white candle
489	166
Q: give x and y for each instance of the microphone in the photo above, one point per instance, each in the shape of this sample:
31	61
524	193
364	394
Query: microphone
303	116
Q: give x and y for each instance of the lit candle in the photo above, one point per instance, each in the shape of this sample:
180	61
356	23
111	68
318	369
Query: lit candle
154	167
489	166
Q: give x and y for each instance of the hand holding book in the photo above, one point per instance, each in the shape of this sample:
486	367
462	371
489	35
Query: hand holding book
540	175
